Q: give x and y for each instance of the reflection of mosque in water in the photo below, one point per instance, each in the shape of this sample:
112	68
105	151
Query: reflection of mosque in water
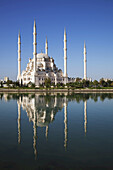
41	110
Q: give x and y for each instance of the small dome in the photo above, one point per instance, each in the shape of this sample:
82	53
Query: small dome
42	55
39	64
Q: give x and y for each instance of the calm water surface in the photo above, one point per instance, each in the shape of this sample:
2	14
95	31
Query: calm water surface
56	131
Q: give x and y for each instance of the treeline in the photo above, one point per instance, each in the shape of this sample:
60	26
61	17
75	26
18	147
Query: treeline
79	83
90	84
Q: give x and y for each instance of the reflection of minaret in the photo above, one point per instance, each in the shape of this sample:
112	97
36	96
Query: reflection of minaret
85	116
19	117
35	135
65	124
46	132
55	103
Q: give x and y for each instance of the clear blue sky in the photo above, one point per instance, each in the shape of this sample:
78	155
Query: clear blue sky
89	20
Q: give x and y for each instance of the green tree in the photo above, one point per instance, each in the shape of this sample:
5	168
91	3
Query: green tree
95	83
112	84
85	83
9	82
78	79
109	83
47	82
102	82
1	84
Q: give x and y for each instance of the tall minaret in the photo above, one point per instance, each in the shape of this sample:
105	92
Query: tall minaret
85	62
19	56
46	46
65	54
35	47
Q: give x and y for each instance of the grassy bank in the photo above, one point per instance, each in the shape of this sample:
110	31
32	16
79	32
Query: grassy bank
56	90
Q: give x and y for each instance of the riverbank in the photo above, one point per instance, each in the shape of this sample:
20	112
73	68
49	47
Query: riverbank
3	90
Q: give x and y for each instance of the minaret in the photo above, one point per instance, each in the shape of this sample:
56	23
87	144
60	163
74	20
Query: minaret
65	54
35	48
19	56
85	116
65	124
85	62
46	46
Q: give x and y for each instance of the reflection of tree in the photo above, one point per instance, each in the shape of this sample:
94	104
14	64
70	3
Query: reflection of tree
1	96
70	97
48	98
102	97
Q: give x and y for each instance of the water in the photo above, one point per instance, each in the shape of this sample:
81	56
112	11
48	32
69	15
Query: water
56	131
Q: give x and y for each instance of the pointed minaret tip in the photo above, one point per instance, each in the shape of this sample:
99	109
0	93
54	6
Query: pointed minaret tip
64	30
19	33
34	23
84	44
46	39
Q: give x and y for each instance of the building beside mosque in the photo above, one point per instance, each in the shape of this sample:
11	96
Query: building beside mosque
41	66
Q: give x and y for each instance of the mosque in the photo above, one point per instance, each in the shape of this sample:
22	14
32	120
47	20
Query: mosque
42	67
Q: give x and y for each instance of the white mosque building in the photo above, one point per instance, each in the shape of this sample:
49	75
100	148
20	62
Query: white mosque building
42	67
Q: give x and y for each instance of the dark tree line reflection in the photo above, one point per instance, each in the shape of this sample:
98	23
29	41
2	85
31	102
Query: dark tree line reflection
78	97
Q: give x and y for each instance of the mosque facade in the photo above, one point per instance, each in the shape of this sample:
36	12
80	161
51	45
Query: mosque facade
41	66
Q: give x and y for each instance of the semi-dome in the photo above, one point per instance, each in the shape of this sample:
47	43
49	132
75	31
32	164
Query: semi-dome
39	64
42	55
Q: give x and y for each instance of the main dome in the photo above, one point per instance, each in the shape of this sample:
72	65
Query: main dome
42	55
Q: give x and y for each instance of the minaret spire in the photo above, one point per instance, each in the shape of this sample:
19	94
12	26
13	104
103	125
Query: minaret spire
19	56
46	46
85	62
65	54
35	48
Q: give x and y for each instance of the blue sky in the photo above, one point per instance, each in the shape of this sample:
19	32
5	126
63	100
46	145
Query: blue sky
89	20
